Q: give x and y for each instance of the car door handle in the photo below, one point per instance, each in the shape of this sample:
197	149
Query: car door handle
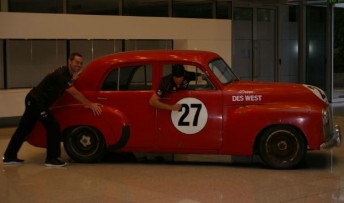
101	98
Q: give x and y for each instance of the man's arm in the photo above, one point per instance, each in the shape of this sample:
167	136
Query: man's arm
81	98
155	102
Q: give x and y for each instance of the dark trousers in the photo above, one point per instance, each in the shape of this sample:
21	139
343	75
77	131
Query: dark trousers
35	111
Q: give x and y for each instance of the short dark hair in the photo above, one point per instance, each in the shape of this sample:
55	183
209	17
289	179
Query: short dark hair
178	70
73	55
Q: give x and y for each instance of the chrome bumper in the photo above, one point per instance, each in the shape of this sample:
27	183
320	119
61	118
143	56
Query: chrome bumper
335	141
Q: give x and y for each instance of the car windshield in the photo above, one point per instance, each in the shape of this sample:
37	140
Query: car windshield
222	71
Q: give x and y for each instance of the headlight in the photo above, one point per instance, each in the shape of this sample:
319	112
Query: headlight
318	92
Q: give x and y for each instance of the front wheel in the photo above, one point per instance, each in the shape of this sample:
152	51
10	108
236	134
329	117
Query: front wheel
282	147
84	144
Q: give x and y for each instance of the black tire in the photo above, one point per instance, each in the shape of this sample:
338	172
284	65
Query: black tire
282	147
84	144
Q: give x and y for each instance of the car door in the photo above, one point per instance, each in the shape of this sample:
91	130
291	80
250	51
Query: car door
128	89
197	127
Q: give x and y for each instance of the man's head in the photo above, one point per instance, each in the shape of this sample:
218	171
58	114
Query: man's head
75	62
178	70
178	73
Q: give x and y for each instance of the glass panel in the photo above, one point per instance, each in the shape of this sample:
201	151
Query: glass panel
193	8
28	61
131	45
316	46
129	78
243	14
104	47
242	42
92	49
2	63
264	46
223	9
222	71
289	40
202	82
94	7
264	15
19	64
36	6
141	78
338	66
111	82
158	8
254	52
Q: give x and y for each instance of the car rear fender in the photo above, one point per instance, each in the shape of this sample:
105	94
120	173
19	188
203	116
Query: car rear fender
112	124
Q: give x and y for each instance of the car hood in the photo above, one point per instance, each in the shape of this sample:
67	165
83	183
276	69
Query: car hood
248	92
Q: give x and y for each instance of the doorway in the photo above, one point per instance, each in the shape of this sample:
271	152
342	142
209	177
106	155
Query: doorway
338	52
254	43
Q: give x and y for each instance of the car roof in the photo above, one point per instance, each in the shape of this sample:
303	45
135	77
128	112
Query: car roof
196	56
95	69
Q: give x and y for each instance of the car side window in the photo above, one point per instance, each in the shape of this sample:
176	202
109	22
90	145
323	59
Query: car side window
129	78
200	82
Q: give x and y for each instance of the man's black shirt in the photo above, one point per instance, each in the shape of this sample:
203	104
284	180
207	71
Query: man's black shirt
52	86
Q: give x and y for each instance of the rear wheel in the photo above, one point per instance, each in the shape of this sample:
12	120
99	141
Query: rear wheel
84	144
282	147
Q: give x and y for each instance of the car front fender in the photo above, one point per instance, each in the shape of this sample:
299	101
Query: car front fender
243	124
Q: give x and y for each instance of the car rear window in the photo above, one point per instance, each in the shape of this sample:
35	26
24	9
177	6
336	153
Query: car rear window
129	78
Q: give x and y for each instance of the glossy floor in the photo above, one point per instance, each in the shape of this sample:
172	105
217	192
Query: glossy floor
187	179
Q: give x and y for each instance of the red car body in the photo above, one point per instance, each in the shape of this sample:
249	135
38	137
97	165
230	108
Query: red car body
278	121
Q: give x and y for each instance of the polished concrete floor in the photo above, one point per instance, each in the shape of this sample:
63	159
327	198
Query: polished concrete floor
155	178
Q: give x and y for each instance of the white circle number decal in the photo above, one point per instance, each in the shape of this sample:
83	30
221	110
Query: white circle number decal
192	117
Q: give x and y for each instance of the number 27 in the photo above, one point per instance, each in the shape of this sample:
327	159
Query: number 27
182	121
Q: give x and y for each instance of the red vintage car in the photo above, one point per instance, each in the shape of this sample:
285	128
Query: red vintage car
220	114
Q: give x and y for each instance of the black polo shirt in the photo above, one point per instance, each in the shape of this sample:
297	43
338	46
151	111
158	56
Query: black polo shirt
168	85
52	86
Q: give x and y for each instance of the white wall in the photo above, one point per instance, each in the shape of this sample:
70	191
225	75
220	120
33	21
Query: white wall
201	34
